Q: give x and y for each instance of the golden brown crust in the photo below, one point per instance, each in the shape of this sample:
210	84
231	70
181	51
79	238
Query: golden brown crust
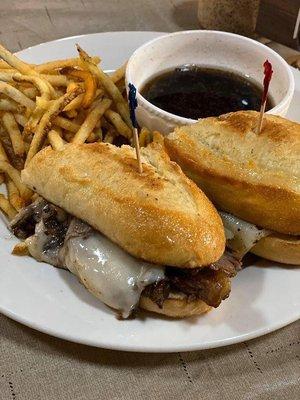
279	248
176	307
160	216
256	178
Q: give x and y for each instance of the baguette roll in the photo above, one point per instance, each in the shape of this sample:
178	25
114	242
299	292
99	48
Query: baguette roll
159	216
279	248
176	306
255	177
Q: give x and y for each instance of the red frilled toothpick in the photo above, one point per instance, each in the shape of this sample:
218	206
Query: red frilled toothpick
268	71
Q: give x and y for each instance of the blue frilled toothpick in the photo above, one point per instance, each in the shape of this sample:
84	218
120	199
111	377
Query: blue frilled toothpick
132	106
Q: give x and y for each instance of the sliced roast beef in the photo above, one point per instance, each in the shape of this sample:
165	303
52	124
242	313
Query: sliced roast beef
210	284
48	229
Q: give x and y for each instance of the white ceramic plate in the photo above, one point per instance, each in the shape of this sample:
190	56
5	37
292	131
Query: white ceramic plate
264	297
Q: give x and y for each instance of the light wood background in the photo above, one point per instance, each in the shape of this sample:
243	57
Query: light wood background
24	23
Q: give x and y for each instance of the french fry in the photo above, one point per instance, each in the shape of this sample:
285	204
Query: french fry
10	105
32	98
145	137
14	196
121	86
99	134
4	65
58	64
13	130
105	124
59	92
66	124
20	249
15	176
109	137
9	69
15	160
46	93
3	156
15	62
30	92
108	85
6	207
59	131
89	84
92	138
81	116
21	119
119	73
71	114
46	121
55	140
16	95
35	116
68	136
118	123
7	75
42	85
76	103
26	145
90	122
56	80
72	86
99	92
157	137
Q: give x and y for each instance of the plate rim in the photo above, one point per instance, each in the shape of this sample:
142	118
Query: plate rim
86	34
153	349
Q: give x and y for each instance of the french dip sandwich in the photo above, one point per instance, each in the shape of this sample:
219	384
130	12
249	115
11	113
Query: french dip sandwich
150	240
253	179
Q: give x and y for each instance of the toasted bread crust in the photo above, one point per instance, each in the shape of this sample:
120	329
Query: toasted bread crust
279	248
176	307
159	215
255	177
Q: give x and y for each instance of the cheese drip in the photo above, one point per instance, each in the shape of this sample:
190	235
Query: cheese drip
241	236
109	273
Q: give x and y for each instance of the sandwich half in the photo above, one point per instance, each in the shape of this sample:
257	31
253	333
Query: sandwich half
253	179
150	240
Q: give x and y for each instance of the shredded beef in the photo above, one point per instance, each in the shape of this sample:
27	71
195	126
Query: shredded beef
23	225
210	284
55	221
55	227
158	292
228	263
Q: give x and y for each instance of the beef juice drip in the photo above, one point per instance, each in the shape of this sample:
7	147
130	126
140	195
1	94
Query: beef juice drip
197	92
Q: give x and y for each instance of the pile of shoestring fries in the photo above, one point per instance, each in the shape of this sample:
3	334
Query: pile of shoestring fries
55	103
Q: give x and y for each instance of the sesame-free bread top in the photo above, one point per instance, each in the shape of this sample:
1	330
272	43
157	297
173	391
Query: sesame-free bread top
253	176
159	216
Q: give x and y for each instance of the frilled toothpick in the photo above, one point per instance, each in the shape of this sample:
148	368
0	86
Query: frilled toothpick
132	106
268	71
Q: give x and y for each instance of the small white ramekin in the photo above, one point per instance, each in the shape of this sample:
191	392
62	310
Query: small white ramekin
206	48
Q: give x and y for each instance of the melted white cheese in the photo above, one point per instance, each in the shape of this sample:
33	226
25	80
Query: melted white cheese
108	272
241	236
36	243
